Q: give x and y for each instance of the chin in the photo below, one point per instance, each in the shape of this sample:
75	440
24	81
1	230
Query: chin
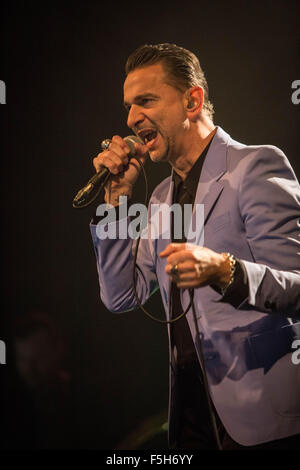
156	156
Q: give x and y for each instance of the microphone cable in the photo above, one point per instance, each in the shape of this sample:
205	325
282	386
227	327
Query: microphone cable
135	265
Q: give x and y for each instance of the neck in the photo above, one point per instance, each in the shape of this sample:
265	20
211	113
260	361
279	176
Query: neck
197	143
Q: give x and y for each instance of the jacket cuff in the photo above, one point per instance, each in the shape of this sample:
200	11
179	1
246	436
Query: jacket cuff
238	291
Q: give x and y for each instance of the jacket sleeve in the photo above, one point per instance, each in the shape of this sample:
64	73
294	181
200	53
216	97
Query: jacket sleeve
115	262
269	201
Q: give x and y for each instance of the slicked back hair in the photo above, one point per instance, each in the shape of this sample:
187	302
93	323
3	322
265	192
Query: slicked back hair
181	65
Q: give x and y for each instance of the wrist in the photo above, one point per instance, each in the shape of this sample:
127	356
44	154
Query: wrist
227	271
113	196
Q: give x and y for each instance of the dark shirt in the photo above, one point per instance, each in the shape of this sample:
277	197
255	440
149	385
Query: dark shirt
181	340
182	343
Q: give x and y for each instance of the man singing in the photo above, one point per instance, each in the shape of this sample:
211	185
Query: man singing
233	381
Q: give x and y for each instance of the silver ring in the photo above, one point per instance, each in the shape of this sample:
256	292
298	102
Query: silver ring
174	270
105	144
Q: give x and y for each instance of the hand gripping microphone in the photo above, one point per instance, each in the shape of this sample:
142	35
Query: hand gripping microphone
91	190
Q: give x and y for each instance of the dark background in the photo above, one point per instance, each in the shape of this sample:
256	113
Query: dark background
77	376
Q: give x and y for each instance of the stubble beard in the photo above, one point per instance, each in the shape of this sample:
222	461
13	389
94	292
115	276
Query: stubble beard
165	156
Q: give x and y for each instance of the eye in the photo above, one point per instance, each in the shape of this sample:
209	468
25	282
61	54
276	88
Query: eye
146	101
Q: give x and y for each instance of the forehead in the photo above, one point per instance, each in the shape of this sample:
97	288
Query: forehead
144	80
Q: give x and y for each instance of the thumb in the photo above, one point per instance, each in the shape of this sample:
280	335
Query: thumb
141	151
171	248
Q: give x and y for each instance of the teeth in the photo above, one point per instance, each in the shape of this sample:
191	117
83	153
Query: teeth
150	136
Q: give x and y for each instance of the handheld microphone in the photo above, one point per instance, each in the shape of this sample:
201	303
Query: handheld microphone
90	191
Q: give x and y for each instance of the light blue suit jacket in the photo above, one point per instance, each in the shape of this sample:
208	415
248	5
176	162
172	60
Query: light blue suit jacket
252	210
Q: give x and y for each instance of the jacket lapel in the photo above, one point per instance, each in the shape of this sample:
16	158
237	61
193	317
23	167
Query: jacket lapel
208	191
209	187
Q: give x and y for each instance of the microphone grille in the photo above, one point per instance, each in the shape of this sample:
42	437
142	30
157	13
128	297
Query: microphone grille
130	141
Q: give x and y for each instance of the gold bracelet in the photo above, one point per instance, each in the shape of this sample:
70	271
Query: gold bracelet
232	262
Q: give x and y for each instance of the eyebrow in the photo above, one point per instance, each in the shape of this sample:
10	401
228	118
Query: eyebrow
138	98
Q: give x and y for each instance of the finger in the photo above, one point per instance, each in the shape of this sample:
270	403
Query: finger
110	160
114	164
168	268
189	280
101	160
191	276
189	284
119	147
118	155
180	256
121	143
141	150
171	248
97	162
186	278
184	267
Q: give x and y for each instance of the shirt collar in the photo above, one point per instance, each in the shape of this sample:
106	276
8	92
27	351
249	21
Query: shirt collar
192	179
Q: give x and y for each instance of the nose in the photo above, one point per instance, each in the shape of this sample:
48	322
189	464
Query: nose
135	116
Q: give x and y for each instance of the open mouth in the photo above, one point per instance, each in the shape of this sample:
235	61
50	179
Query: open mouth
148	136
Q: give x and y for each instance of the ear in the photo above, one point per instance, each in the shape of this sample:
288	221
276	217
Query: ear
194	100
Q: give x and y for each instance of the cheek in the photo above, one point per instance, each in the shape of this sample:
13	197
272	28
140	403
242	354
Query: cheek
177	120
170	128
171	121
